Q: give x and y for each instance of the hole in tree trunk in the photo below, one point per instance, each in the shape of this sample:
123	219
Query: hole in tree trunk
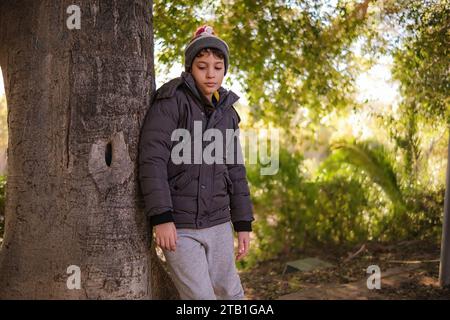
108	154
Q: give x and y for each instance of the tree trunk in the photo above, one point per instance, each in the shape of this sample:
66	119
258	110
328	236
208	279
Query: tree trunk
444	267
76	102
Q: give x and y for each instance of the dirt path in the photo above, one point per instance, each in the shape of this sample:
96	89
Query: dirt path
408	270
392	279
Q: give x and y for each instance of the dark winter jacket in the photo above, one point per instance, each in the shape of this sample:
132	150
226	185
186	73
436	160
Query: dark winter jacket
191	195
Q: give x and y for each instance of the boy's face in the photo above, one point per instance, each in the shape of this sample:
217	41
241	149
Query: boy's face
208	73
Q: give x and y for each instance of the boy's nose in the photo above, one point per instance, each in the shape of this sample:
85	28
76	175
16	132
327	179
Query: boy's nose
210	73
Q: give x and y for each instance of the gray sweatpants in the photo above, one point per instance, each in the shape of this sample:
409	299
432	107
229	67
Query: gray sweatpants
203	264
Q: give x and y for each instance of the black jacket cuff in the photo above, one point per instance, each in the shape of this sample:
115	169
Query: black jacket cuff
242	226
161	218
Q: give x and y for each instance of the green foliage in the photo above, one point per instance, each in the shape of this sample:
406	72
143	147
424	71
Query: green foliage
422	63
425	215
355	197
406	136
274	49
280	202
373	159
413	213
293	211
174	24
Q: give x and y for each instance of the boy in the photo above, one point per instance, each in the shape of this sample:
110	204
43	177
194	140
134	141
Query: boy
193	206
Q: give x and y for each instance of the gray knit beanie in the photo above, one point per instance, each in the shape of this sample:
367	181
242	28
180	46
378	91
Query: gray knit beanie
203	38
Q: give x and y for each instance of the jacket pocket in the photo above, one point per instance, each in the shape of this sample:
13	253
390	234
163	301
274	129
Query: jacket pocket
181	180
219	213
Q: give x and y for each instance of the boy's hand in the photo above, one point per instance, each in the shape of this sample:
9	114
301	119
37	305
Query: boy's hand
166	236
243	244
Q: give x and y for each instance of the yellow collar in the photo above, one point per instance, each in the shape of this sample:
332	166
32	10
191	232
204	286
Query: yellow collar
216	95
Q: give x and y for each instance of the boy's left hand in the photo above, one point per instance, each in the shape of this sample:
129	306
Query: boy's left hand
243	244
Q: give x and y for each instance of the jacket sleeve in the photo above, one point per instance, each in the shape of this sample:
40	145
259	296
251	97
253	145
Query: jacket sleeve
240	201
154	153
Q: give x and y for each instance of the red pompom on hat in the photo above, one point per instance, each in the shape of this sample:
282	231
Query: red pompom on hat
203	29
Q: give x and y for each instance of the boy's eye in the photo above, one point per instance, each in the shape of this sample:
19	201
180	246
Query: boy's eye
203	68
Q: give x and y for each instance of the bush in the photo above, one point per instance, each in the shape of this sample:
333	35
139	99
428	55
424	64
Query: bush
342	206
293	212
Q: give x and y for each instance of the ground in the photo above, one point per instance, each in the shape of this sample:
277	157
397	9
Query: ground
409	270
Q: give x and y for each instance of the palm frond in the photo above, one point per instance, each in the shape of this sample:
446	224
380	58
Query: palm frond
374	160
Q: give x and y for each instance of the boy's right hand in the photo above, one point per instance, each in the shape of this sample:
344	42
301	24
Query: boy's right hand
166	236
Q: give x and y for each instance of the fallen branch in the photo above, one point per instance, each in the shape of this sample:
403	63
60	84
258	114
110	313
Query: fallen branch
413	261
350	257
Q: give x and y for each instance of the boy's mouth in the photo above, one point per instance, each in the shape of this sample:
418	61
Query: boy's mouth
210	84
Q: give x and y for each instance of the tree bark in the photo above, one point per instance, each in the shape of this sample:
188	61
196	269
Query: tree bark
444	267
76	101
